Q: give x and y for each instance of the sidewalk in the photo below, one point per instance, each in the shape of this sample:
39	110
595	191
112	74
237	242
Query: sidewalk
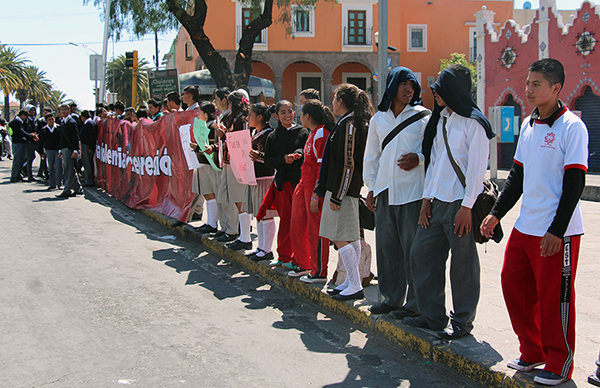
482	356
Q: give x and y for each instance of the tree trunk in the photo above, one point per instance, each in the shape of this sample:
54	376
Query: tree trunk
243	58
194	24
7	106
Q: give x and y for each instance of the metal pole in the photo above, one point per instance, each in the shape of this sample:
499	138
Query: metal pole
104	49
383	45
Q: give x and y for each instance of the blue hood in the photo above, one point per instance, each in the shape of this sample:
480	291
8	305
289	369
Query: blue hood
396	76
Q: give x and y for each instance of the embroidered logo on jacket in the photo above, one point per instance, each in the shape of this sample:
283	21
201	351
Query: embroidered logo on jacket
549	140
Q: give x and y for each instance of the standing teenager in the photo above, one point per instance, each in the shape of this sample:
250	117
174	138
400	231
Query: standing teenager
311	250
204	181
258	118
542	252
284	153
340	182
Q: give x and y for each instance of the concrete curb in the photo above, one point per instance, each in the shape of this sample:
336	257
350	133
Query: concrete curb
424	342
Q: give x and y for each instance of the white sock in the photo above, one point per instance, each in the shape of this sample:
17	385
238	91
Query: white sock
211	212
351	261
260	231
245	221
356	246
269	234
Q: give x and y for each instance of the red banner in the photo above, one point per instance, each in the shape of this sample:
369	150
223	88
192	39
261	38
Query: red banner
143	165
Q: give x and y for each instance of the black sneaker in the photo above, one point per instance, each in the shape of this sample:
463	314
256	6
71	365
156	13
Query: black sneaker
402	313
310	278
267	256
217	234
548	378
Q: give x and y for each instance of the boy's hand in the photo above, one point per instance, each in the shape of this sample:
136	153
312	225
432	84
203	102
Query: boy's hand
425	214
462	221
487	226
550	244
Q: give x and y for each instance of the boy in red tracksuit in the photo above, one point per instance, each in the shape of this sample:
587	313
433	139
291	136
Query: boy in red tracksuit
311	251
541	255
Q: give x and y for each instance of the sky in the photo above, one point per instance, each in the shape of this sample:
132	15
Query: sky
42	32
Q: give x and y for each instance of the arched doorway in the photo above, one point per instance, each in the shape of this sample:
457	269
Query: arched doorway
589	105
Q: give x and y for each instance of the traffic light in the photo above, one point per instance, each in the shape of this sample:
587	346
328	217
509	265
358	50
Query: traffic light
131	59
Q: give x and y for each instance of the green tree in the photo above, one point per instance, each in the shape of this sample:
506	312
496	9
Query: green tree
57	98
35	88
12	74
142	17
461	59
119	79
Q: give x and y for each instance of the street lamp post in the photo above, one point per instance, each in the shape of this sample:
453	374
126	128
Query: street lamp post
95	68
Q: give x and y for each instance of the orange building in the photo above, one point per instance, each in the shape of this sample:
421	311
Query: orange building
335	42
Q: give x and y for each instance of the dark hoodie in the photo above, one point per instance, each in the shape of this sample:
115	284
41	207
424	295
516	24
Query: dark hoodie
395	78
454	87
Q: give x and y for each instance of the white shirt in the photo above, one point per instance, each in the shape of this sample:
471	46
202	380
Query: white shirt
193	106
545	153
380	169
470	148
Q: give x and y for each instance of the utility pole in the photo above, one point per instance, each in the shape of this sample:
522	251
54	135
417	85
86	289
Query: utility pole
104	49
382	49
131	61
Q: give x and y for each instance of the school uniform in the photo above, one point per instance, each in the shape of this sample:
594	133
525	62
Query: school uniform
280	142
50	146
254	195
549	171
88	135
311	250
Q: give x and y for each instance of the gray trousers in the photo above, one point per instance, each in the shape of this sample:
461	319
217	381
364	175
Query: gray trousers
54	167
229	217
19	156
428	258
395	229
30	157
69	173
87	159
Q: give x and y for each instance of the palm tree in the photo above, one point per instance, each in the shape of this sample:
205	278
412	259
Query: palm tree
119	79
57	98
36	88
12	74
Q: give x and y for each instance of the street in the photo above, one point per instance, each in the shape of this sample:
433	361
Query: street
96	295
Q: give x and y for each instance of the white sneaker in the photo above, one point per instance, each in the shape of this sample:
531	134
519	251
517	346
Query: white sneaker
523	366
313	279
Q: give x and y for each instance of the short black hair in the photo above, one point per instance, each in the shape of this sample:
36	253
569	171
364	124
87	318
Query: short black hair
154	103
47	110
130	109
49	115
165	103
142	112
120	106
222	92
310	94
86	114
193	90
23	112
174	97
552	69
111	107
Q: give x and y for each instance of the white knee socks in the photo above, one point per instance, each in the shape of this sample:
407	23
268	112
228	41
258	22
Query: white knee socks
269	234
211	212
245	220
348	255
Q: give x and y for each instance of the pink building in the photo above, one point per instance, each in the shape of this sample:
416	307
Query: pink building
505	55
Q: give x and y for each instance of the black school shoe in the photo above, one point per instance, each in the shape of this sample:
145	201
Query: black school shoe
238	245
382	308
227	237
402	313
206	228
357	295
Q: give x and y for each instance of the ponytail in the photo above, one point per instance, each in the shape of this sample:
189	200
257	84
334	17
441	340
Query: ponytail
357	101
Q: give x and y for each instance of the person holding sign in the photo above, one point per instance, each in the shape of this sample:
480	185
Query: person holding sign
204	182
230	190
259	120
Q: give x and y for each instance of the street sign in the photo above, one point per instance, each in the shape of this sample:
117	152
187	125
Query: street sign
95	67
162	82
507	122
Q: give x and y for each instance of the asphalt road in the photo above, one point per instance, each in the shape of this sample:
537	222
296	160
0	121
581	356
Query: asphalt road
94	294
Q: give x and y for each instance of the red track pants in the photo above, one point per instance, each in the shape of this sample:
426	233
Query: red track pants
311	251
540	296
